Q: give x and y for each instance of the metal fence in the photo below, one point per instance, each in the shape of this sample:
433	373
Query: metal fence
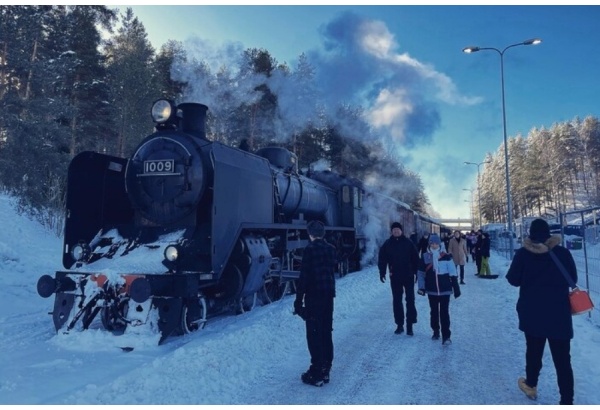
581	235
502	245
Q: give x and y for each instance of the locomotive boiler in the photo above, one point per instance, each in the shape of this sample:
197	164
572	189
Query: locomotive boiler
187	227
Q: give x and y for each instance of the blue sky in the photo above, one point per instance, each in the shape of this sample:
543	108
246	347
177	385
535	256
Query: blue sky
458	94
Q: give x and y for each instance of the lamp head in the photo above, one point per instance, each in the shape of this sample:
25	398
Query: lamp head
532	41
470	49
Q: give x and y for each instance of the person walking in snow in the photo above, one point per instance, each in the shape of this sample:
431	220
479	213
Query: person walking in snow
399	254
438	280
446	241
477	250
484	250
457	247
471	239
543	307
315	291
423	243
414	238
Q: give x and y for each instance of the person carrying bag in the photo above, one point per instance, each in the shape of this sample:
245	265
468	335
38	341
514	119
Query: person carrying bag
543	307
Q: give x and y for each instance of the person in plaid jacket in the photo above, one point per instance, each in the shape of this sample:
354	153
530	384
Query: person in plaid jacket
315	291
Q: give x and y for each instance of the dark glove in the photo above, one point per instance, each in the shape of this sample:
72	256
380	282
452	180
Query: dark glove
382	278
421	292
455	287
299	309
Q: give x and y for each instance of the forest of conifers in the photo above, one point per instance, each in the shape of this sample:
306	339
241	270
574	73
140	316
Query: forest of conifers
83	78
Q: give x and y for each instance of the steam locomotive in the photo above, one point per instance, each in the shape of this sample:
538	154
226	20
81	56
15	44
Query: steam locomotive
188	227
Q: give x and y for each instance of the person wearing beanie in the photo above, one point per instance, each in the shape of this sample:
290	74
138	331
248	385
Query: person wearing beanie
485	271
315	290
438	280
397	225
543	307
399	255
434	238
539	231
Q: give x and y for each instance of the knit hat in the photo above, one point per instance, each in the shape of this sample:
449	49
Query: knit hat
434	238
316	229
539	231
396	225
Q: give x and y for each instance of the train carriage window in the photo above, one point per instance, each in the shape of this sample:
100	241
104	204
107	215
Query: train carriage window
346	194
357	198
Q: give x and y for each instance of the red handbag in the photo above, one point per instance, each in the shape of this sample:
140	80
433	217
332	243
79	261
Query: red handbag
580	301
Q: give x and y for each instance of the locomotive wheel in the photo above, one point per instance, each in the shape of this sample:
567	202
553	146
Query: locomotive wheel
113	317
248	303
273	290
232	283
193	322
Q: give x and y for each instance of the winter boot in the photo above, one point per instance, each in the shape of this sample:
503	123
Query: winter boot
309	377
446	342
326	371
530	392
399	330
436	336
409	330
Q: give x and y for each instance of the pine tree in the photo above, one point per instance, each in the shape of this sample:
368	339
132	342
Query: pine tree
132	84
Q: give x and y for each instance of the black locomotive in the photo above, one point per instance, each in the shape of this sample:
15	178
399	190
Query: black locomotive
188	227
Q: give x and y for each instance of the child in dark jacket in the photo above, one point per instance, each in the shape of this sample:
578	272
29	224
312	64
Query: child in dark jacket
438	279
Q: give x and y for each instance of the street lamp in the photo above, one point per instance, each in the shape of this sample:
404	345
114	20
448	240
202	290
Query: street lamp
471	210
471	206
478	164
468	50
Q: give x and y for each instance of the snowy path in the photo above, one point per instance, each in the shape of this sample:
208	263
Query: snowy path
257	358
372	365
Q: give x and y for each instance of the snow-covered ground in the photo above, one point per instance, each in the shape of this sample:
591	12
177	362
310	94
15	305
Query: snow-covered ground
257	357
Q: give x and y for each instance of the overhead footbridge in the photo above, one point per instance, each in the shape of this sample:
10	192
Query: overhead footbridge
461	224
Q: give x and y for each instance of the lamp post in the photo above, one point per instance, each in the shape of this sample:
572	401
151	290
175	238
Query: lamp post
471	207
468	50
471	210
478	164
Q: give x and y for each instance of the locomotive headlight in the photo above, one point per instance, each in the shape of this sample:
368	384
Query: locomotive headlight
163	111
171	253
79	252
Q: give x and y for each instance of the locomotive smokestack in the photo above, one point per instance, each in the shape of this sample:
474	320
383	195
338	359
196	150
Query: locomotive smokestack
193	120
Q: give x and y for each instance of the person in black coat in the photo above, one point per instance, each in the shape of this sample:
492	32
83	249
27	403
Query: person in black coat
484	251
414	238
315	291
399	254
423	245
543	307
477	250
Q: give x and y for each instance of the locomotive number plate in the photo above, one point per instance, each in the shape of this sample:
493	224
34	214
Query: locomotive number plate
159	166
